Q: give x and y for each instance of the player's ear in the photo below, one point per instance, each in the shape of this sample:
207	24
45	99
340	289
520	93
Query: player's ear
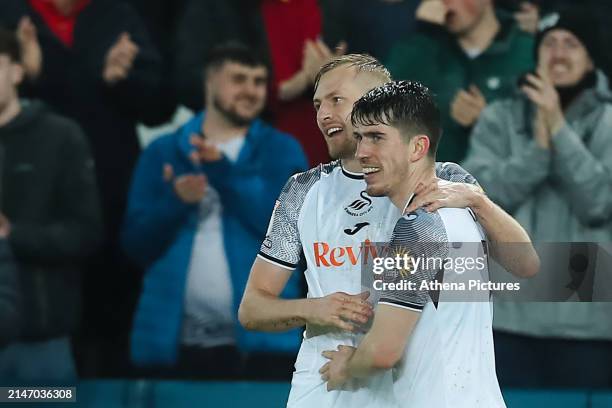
420	147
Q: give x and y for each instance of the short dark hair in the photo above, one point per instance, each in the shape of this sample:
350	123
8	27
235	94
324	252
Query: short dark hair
406	105
233	52
361	63
9	45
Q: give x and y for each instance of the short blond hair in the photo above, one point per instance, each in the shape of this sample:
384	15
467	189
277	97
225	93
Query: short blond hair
363	63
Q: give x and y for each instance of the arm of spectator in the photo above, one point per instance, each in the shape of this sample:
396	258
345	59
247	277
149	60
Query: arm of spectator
258	186
9	295
132	67
528	17
585	176
154	212
294	86
262	309
77	230
507	177
31	53
315	54
467	106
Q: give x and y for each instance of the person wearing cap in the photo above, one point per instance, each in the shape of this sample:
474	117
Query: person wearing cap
545	155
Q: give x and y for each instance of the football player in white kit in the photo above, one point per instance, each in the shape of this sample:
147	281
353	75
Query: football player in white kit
442	351
324	215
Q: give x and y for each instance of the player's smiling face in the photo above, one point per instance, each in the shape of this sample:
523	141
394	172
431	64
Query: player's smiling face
384	157
333	101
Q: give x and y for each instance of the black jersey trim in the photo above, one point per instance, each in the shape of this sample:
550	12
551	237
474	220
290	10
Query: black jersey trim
354	176
407	305
277	261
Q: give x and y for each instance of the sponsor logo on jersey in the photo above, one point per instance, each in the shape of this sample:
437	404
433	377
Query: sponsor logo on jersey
360	206
356	228
328	256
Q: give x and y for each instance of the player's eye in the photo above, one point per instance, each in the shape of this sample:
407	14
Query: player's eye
357	137
337	99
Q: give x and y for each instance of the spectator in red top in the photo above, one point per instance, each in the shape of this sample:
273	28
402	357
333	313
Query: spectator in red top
293	28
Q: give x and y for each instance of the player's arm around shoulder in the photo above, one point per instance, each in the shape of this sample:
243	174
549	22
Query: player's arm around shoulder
510	244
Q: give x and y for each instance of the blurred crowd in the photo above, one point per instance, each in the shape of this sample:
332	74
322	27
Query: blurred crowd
121	259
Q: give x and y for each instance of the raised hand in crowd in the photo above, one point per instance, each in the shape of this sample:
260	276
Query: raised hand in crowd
467	105
31	54
5	226
549	116
528	17
119	59
205	151
190	188
316	53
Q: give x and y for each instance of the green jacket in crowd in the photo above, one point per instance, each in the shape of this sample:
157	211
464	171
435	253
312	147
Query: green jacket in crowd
562	195
435	59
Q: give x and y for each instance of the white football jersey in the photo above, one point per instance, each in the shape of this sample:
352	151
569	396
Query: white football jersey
323	216
449	360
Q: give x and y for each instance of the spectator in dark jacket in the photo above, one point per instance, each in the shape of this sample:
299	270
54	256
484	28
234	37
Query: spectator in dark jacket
93	61
9	293
51	219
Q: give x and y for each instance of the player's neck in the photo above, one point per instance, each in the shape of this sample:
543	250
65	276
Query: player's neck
218	129
400	195
352	165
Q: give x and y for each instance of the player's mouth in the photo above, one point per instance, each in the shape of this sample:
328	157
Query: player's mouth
332	131
369	172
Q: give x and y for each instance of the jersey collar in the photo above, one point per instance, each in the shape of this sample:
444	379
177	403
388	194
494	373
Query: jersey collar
350	174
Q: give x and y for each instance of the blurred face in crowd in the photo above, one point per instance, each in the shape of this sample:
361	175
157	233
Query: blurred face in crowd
10	76
333	101
565	57
463	15
237	91
64	6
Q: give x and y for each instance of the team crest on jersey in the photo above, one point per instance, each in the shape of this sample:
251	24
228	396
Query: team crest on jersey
360	206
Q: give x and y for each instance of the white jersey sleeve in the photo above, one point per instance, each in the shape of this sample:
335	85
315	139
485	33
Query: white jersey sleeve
453	172
282	244
422	236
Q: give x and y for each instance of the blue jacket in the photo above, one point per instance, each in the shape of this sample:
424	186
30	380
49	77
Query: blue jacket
159	231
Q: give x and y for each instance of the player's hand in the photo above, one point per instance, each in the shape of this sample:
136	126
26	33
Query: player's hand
119	59
31	54
204	150
467	105
190	188
335	371
5	226
438	193
340	310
